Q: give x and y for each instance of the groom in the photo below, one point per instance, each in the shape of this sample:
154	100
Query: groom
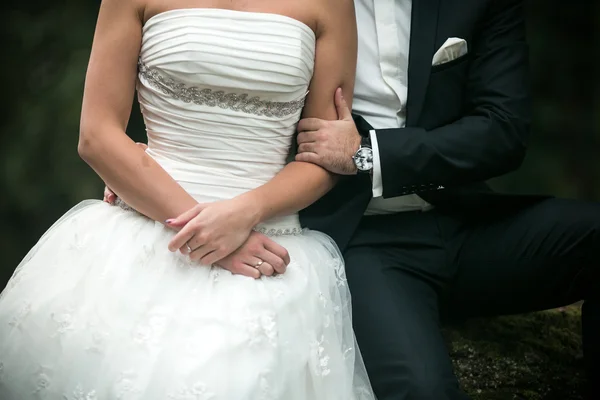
442	104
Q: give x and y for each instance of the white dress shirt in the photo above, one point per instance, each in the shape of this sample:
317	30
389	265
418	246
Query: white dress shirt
380	90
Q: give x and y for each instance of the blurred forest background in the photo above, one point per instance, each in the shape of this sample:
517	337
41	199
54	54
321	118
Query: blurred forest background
46	52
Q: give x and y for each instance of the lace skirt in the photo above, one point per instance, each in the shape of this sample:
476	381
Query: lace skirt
100	309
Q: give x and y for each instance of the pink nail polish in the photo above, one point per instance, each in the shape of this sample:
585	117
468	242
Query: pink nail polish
169	221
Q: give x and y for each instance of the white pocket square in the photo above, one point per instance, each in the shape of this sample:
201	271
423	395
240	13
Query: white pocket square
452	49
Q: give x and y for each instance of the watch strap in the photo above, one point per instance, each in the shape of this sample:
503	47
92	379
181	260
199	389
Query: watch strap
365	141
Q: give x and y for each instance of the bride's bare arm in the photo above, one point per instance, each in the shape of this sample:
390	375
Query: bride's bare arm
109	89
300	184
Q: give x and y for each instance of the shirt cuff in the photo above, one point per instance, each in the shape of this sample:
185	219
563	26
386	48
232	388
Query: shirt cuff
377	179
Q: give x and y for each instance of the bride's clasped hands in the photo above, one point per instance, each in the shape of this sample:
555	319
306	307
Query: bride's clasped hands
212	233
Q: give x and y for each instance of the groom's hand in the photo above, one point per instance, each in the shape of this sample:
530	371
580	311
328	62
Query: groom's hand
330	144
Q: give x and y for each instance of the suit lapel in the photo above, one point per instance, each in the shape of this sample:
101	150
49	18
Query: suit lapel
422	40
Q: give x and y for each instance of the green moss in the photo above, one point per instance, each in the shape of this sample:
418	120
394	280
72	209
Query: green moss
535	356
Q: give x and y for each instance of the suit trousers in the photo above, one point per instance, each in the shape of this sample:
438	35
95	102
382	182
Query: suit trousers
402	268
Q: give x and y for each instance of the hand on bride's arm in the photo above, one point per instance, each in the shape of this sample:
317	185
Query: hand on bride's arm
211	231
330	144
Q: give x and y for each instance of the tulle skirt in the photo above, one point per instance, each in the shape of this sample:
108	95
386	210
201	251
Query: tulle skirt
100	309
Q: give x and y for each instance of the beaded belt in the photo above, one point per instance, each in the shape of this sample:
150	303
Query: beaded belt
275	228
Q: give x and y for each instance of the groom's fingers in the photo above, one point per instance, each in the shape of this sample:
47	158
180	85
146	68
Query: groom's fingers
343	111
307	137
312	158
310	124
307	148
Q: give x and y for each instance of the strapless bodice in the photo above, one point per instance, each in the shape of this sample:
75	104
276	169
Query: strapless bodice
221	92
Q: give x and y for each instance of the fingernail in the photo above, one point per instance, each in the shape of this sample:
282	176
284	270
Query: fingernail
169	221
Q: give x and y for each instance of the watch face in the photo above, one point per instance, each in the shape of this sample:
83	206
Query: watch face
364	159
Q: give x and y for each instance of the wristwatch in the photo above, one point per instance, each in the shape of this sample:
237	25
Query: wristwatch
363	158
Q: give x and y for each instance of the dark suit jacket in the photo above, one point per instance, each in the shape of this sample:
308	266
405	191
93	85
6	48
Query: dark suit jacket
467	120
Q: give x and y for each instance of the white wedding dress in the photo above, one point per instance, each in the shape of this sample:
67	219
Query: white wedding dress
100	309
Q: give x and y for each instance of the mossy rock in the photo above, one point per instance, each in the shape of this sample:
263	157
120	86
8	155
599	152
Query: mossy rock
535	356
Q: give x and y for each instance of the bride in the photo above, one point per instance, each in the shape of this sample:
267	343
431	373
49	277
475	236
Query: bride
112	303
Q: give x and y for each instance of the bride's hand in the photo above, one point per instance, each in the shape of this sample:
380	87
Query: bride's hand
213	231
258	256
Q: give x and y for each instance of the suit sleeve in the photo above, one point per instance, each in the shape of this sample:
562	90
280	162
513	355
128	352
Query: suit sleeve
490	139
